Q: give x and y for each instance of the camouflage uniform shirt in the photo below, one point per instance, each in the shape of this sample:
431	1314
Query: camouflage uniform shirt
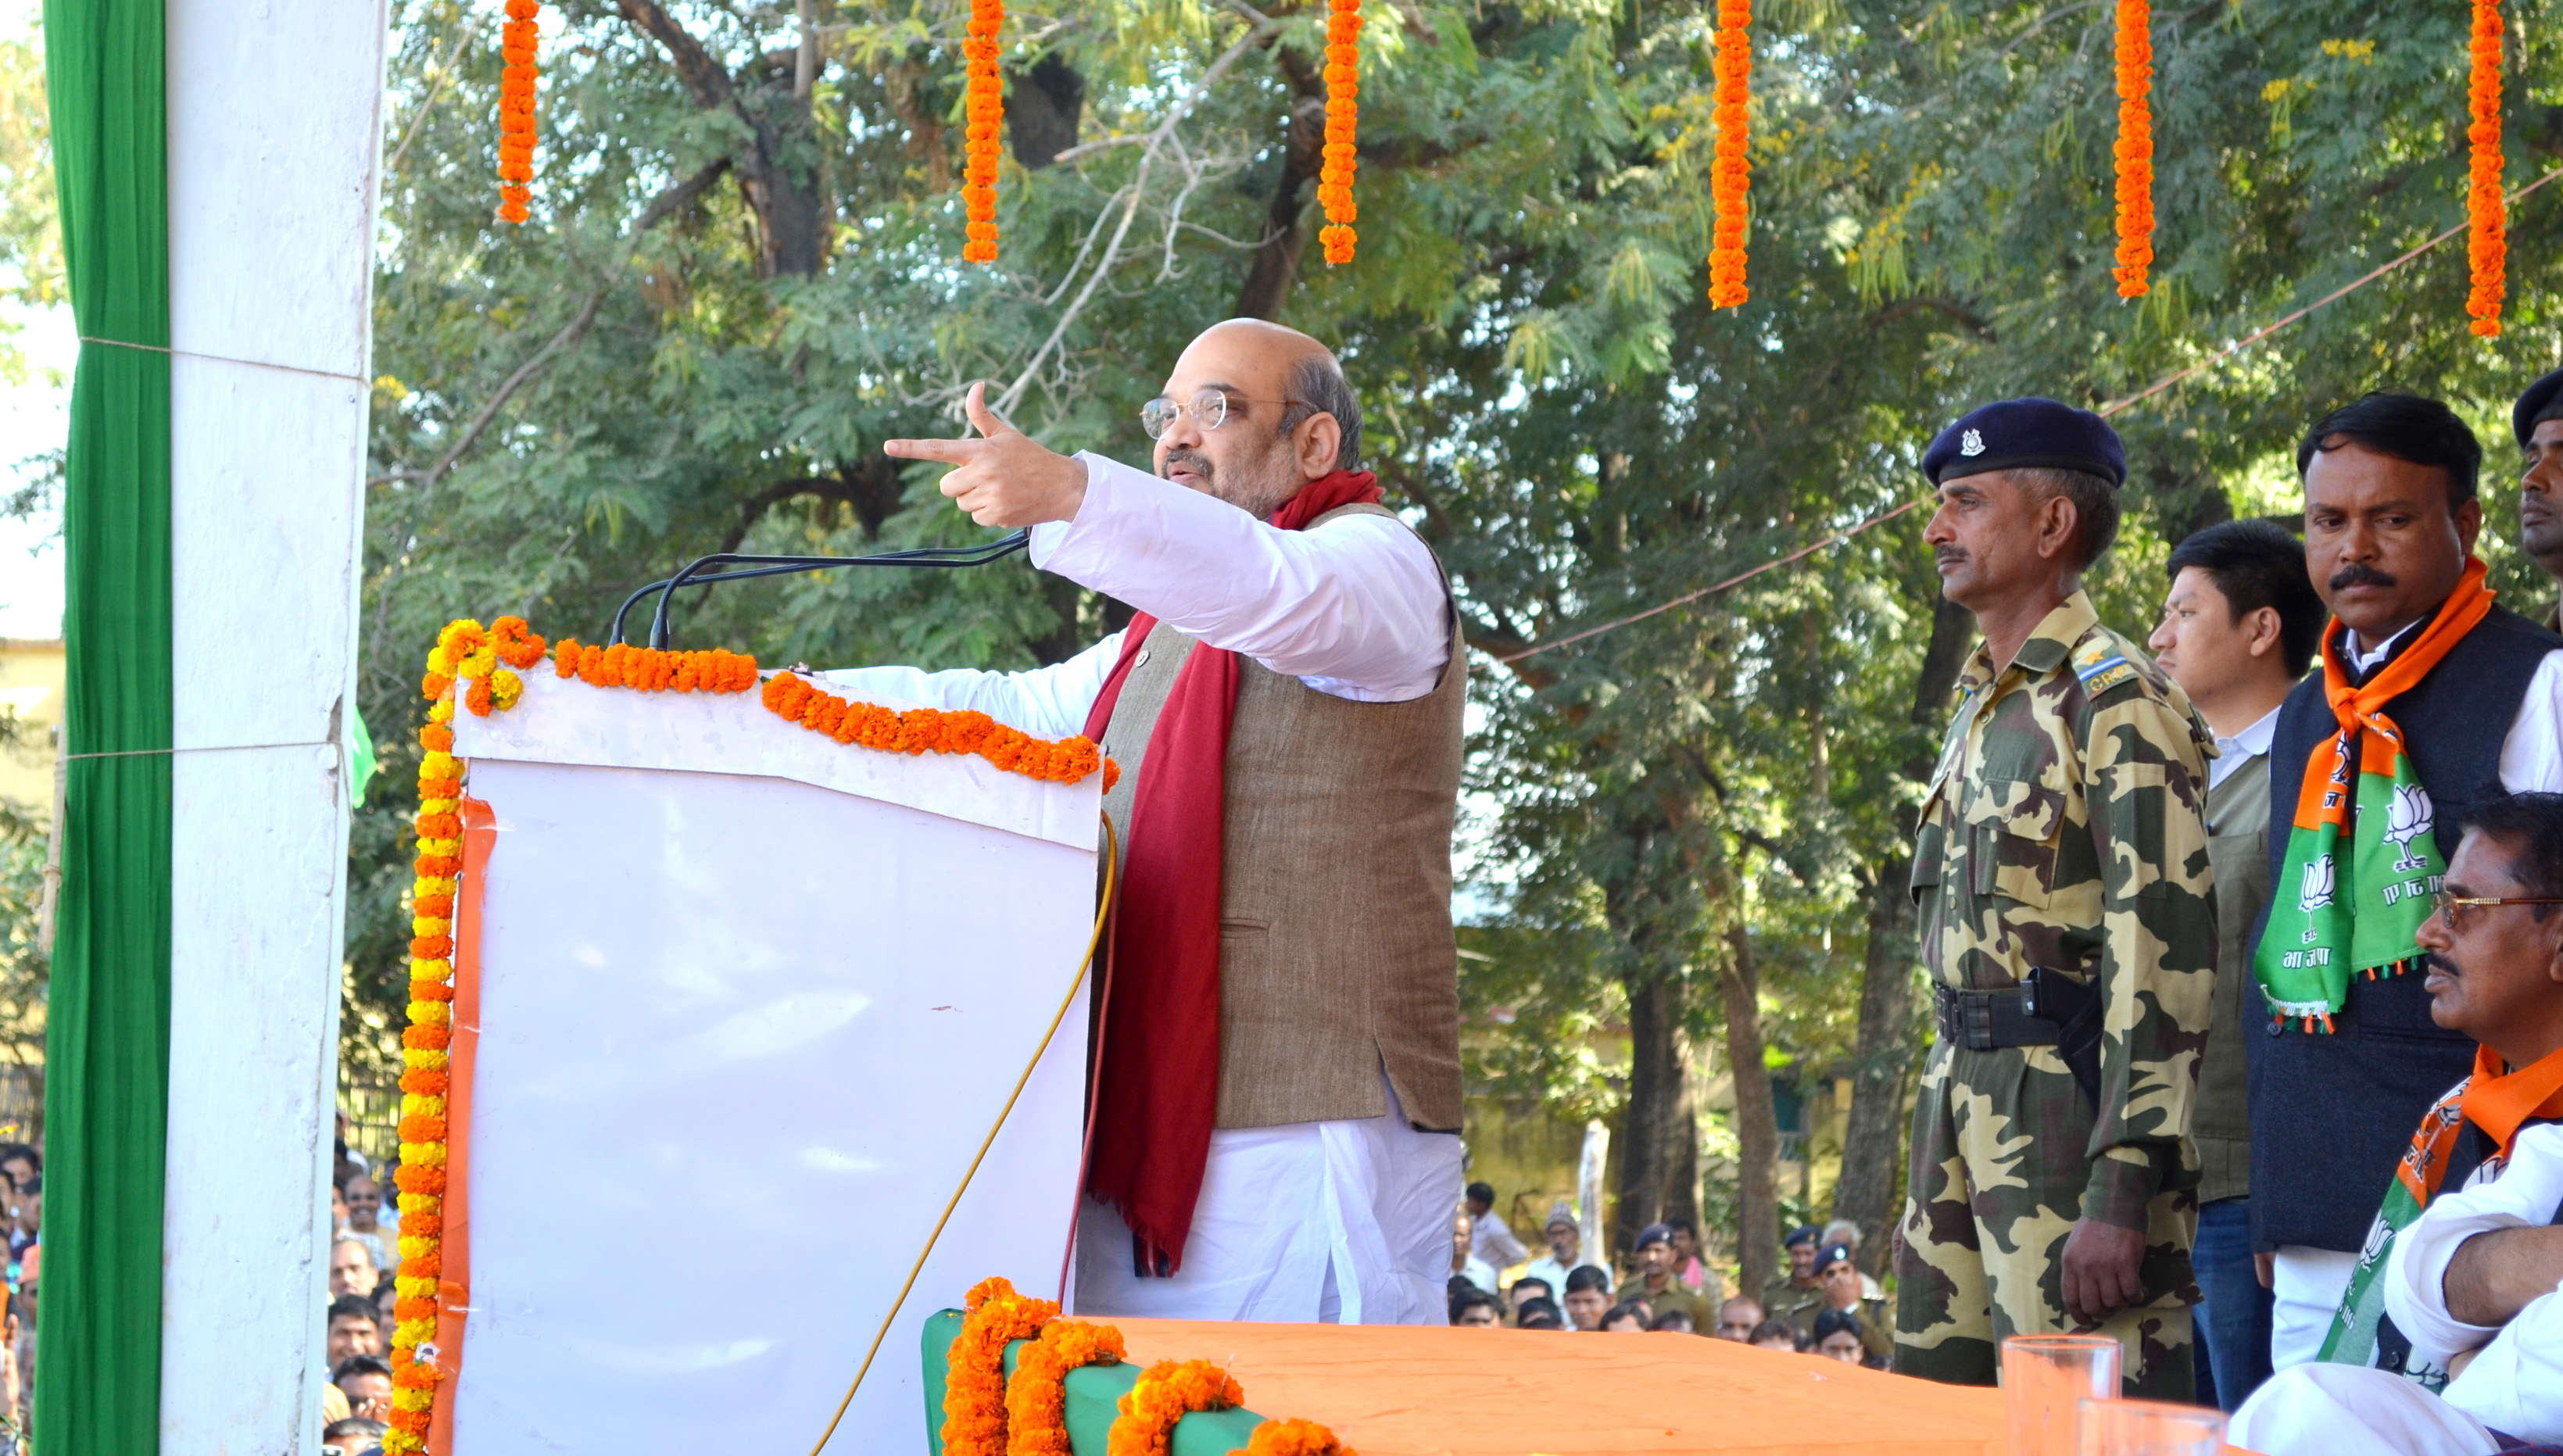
2063	827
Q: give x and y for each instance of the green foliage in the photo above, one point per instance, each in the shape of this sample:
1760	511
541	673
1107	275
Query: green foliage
577	406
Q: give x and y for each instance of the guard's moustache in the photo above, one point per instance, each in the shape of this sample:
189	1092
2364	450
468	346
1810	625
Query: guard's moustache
1948	553
1192	458
2435	961
2357	574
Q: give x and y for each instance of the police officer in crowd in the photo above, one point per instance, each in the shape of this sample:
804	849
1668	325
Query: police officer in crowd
2068	925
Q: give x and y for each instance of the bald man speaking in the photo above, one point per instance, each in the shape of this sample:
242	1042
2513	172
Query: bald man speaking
1277	1096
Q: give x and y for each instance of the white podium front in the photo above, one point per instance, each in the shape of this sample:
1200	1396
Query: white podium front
747	1000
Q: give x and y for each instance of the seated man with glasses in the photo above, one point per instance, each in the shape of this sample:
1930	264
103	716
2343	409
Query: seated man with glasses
1277	1100
2450	1340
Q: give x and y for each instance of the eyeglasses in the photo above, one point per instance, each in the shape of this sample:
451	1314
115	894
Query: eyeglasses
2454	906
1209	410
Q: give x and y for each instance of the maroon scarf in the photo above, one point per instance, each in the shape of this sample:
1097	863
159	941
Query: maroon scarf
1157	1082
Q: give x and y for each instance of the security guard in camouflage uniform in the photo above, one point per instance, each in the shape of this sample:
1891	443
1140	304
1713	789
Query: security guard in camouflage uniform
2069	925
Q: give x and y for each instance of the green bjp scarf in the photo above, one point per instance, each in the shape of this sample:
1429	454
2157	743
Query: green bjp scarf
2361	862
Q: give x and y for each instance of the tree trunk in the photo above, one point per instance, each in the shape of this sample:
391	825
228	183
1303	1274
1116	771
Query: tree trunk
1658	1138
1757	1121
1881	1066
1884	1049
1276	263
778	172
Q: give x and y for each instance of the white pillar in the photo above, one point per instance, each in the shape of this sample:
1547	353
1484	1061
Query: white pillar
275	126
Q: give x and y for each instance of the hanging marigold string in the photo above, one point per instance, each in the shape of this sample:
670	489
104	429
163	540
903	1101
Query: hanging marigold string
985	100
516	111
462	650
1168	1392
2488	241
1037	1392
1343	113
1730	171
647	669
974	1390
2135	149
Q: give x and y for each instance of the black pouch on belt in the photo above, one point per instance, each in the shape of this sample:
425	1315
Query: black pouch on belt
2074	1008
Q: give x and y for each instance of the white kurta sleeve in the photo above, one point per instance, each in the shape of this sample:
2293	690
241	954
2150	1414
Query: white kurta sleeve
1046	702
2526	1193
2531	757
1355	608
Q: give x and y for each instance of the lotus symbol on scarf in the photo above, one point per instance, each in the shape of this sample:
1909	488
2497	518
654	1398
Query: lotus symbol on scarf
2407	820
2316	891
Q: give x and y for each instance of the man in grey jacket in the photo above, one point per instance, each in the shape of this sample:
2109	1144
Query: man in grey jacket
2238	627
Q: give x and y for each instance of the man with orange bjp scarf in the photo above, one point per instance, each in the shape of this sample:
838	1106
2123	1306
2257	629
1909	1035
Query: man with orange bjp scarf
2427	699
1277	1096
2451	1341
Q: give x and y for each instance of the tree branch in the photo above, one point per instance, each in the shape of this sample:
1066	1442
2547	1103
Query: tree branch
702	75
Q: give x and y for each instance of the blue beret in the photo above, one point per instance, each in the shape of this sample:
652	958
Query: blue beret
2540	397
2027	435
1662	1234
1797	1236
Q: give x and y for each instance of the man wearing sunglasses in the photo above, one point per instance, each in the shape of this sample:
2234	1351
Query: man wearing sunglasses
1276	1098
2450	1340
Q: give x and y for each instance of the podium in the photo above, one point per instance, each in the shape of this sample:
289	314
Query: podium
735	1005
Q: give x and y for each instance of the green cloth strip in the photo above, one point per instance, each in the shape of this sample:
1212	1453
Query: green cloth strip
1093	1400
106	1047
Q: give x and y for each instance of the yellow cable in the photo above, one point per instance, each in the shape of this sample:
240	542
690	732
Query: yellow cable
1111	856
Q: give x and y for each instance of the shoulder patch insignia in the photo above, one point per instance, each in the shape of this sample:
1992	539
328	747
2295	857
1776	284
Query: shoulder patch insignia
2098	677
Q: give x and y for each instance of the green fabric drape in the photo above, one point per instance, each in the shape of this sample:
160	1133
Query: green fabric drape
106	1084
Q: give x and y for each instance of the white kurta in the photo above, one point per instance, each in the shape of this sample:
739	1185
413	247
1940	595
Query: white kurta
2513	1387
1346	1220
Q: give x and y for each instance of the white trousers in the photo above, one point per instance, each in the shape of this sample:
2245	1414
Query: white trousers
2308	1284
2349	1410
1336	1222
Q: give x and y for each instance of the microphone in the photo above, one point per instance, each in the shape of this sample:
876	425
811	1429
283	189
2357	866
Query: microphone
734	567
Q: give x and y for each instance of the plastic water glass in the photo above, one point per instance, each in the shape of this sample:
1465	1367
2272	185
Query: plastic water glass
2148	1428
2046	1382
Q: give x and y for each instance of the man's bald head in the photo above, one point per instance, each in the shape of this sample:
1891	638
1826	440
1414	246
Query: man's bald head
1286	388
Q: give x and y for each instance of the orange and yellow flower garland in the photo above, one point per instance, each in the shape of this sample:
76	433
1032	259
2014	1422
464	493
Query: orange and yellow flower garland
645	669
462	650
974	1388
1168	1392
2135	148
1037	1394
985	100
920	730
1343	115
2487	213
1294	1439
1730	172
516	111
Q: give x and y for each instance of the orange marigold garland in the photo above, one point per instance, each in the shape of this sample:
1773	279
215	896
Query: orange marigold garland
1296	1438
1730	173
516	111
2135	148
647	669
920	730
974	1390
1343	113
1168	1392
2487	210
985	100
464	650
1037	1394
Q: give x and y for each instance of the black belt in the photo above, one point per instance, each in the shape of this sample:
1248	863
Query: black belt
1983	1020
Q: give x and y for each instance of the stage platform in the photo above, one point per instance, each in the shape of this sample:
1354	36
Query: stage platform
1438	1390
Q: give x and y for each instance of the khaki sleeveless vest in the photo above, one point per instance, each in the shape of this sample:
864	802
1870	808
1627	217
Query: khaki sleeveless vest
1335	952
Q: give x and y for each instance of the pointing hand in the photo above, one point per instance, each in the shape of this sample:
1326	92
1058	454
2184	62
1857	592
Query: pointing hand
1004	477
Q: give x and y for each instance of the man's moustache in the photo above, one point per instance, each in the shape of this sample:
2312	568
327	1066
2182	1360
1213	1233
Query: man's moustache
1944	554
2435	961
1194	458
2360	576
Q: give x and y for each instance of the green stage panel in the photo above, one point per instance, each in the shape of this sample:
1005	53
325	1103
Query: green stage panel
1093	1399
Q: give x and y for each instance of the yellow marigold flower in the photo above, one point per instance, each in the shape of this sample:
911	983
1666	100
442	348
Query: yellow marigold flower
442	711
505	687
423	1058
412	1398
438	766
430	1014
416	1105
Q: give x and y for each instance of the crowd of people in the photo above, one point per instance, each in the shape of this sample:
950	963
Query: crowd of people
1823	1304
364	1248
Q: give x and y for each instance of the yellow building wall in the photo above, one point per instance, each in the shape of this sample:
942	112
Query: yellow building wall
31	690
